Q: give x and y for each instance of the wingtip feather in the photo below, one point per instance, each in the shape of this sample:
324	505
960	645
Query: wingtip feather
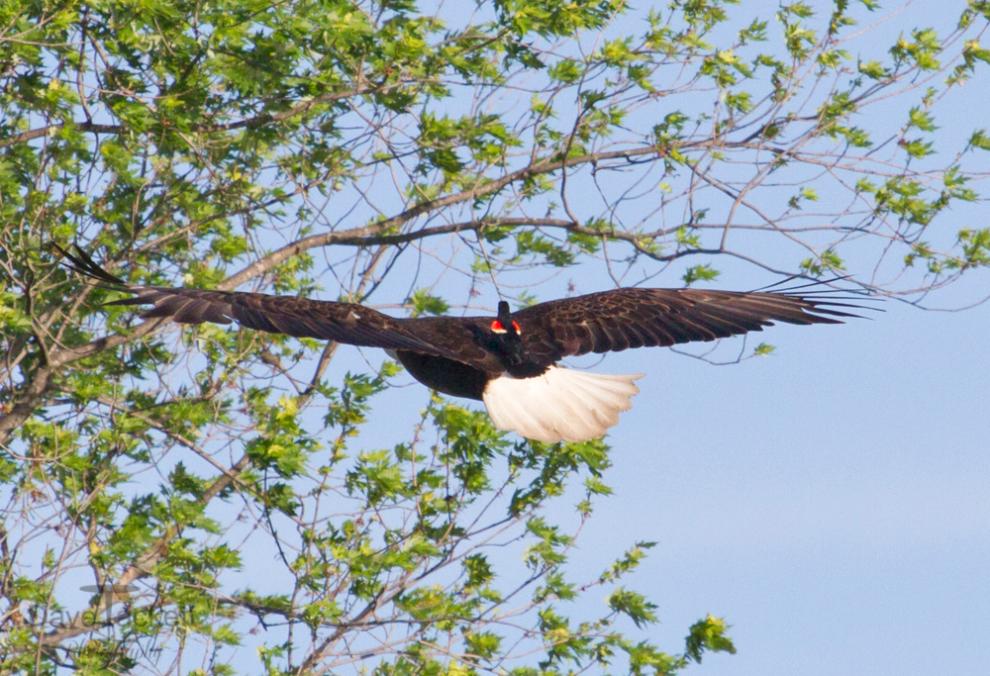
81	263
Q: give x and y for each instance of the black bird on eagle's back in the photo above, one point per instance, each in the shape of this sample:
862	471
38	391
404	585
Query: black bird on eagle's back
509	361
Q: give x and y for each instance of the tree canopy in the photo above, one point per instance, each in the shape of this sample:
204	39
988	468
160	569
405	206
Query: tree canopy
169	496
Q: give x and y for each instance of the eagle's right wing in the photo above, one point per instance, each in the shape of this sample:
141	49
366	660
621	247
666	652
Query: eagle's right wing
301	317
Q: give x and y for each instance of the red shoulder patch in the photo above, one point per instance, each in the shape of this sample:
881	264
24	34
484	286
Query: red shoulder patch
497	327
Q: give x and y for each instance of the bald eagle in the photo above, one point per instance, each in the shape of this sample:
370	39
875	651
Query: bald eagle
509	361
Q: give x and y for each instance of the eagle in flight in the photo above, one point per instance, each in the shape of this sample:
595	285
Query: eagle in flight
509	361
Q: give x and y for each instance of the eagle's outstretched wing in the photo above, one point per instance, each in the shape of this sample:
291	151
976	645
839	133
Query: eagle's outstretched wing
615	320
302	317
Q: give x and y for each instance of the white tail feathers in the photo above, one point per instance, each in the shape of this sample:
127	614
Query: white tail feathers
561	404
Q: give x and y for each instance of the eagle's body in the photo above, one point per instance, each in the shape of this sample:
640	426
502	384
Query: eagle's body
508	361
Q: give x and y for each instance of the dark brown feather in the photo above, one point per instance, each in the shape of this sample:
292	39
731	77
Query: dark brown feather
301	317
611	321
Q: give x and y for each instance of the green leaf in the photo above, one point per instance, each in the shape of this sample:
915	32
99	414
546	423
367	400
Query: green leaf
708	635
696	273
634	606
873	70
763	349
424	303
980	139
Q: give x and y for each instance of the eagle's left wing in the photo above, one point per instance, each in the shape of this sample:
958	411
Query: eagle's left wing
615	320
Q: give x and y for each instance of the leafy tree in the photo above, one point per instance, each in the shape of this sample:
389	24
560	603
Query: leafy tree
170	495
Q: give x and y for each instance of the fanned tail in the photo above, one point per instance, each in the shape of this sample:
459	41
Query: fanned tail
560	404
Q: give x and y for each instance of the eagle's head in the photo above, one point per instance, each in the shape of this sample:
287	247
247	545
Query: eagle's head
506	334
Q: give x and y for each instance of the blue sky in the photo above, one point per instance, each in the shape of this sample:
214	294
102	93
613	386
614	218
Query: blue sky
830	501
